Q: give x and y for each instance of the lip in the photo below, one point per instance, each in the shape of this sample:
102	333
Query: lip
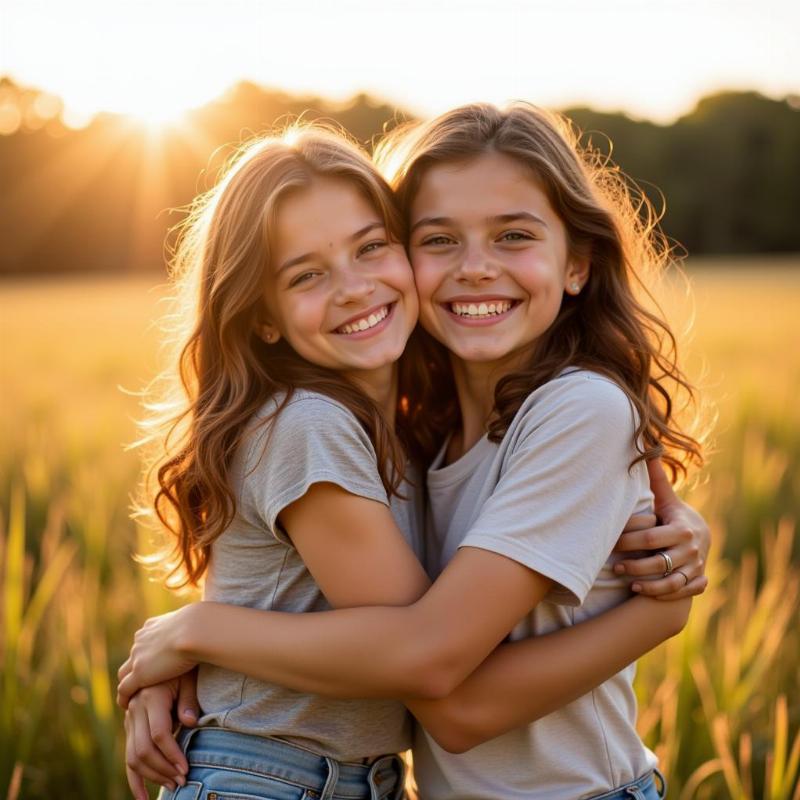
479	323
480	298
375	329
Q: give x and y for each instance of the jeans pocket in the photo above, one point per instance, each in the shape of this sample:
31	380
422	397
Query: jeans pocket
224	785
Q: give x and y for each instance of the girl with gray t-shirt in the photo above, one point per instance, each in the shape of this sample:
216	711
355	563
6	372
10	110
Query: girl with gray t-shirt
523	276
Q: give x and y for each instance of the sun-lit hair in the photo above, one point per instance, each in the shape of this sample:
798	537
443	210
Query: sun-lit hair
614	326
224	372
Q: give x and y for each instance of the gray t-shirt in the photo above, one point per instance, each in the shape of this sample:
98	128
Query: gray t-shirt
314	439
553	495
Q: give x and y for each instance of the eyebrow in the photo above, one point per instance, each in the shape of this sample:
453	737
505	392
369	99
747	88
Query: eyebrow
293	262
500	218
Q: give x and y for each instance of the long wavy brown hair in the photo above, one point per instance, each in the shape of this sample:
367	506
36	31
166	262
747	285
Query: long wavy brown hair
223	370
614	326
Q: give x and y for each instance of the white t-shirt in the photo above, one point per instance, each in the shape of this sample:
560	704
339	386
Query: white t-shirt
554	495
313	439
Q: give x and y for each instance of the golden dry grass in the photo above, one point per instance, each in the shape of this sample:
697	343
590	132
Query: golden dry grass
720	703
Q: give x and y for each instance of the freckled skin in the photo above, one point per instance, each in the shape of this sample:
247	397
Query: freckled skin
340	279
474	254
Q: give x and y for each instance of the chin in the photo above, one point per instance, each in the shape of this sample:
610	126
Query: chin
480	354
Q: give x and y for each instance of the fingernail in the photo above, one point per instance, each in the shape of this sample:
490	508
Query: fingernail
169	786
180	780
181	769
637	587
619	568
189	712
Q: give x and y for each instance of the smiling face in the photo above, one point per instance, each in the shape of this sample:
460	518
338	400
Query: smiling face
490	259
337	289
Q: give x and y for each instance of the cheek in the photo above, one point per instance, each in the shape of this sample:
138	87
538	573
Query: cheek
426	280
303	315
404	279
542	275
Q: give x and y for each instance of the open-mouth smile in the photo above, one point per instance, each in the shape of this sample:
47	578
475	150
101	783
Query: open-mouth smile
369	324
481	310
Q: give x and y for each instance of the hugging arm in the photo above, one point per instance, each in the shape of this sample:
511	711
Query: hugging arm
683	536
426	649
516	684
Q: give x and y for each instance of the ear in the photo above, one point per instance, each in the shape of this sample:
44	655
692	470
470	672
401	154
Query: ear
268	332
577	275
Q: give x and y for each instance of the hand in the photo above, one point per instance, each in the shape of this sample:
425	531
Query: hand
155	656
683	535
151	751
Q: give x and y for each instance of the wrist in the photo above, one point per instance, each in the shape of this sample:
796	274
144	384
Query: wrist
678	613
187	640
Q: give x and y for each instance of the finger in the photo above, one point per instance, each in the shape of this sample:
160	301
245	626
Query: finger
133	761
659	538
672	584
654	566
188	707
147	758
164	754
663	493
127	688
124	669
695	587
640	522
136	784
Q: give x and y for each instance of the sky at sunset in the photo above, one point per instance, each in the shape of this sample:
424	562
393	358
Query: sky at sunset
158	57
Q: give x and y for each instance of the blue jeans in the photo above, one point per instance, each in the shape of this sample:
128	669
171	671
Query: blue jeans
225	765
651	786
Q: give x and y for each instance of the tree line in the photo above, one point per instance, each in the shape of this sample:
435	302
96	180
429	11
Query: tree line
104	197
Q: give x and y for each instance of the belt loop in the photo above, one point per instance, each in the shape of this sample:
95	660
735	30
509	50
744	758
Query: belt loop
333	778
400	769
184	736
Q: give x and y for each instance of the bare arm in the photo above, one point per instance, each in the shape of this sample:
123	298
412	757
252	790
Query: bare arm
523	681
429	647
498	696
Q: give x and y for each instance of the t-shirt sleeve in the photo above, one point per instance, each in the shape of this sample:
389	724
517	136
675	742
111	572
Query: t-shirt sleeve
566	490
311	440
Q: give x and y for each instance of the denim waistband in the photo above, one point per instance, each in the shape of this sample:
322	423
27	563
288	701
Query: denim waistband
262	755
642	788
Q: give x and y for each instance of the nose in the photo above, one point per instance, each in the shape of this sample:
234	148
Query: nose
476	265
352	285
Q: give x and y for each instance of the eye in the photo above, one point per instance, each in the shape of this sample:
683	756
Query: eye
437	240
303	277
371	247
516	236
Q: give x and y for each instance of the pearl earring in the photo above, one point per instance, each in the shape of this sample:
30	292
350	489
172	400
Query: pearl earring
575	287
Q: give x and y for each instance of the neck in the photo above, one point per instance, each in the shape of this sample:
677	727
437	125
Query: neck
476	382
380	385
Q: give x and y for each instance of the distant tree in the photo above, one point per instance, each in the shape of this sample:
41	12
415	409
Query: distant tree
103	198
729	170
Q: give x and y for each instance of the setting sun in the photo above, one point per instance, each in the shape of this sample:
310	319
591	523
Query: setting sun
154	60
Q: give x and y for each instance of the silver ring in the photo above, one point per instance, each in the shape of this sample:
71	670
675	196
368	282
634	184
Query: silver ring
667	564
685	576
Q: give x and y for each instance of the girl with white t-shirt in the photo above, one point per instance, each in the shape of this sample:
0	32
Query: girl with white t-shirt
525	276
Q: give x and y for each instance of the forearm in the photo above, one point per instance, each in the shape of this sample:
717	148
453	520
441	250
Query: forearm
425	649
523	681
355	652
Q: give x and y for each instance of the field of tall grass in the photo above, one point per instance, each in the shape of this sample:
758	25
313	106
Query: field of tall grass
720	704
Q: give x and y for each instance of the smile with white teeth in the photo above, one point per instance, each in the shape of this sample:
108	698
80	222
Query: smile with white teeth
365	323
481	310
